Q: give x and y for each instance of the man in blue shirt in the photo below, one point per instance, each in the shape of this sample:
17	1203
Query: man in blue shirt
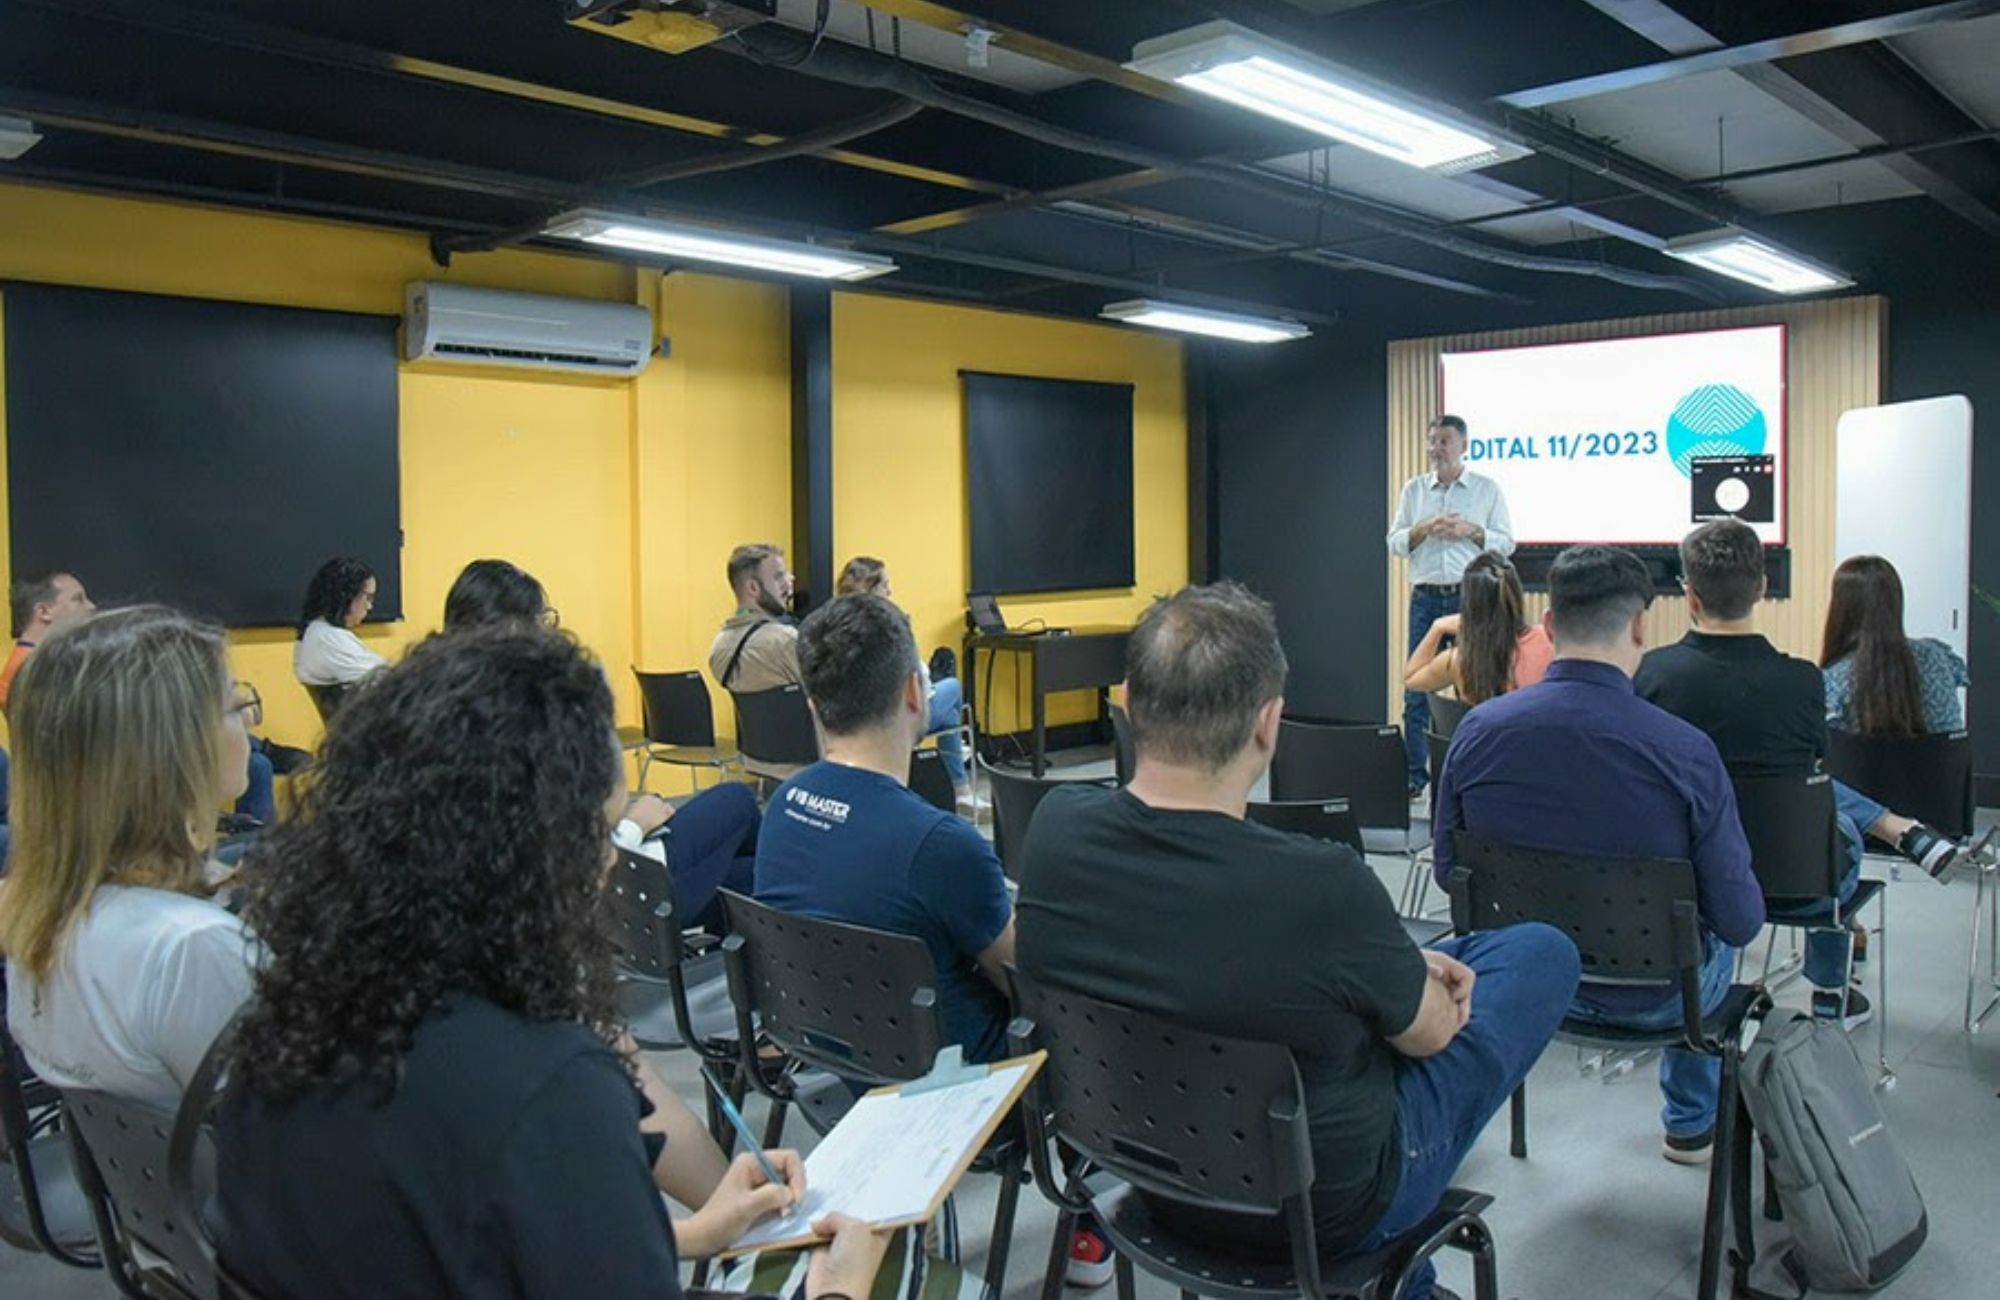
846	840
1579	763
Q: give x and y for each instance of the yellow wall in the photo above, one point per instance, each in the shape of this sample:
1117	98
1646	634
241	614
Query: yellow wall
604	490
899	457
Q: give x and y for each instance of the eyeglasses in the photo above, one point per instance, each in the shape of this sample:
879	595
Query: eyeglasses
247	702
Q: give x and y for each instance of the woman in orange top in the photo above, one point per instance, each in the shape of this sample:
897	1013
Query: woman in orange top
1496	651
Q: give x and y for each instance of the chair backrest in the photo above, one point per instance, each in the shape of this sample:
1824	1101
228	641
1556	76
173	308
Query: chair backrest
646	926
37	1213
1925	777
1795	844
1015	798
776	727
1326	819
328	699
121	1153
1124	755
1362	763
676	708
1446	713
929	779
1218	1123
1634	920
856	1002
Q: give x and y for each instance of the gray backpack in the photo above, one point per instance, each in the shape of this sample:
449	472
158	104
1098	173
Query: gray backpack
1852	1215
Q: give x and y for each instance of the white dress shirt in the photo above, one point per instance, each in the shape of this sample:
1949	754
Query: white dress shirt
332	656
1441	561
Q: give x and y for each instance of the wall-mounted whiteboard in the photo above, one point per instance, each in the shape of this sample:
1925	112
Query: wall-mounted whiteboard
1903	491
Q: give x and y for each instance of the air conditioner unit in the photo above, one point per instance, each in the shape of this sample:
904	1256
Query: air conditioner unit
497	327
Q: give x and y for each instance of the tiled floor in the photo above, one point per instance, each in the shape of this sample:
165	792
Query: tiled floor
1594	1213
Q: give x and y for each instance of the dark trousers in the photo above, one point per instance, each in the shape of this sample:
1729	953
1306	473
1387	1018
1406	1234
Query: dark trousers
1527	975
1426	608
711	843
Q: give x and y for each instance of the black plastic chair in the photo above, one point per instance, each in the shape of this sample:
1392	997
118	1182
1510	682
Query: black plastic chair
42	1202
1015	798
1324	819
930	781
1447	711
1362	763
857	1003
774	728
1124	755
1635	921
1215	1125
1925	777
679	722
150	1251
328	699
1798	856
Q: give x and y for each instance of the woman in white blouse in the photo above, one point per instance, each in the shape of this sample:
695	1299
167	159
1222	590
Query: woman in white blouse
329	653
128	737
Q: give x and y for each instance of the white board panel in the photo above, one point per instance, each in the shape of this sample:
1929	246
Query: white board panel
1903	491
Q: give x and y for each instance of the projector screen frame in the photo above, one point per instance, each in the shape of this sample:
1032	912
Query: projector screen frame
1644	549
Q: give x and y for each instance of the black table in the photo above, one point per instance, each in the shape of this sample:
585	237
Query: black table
1080	659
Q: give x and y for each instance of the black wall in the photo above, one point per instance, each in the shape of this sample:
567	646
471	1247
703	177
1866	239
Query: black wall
1299	457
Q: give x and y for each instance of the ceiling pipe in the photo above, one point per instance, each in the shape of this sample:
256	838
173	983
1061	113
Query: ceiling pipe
811	142
859	68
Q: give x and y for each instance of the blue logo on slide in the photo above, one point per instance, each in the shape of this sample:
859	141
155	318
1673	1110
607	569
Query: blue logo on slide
1714	420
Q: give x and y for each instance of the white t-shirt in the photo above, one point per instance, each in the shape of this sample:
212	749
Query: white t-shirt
140	990
332	656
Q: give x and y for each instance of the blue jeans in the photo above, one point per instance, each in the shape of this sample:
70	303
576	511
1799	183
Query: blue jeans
946	697
1527	976
259	797
1689	1081
1425	609
1827	945
711	843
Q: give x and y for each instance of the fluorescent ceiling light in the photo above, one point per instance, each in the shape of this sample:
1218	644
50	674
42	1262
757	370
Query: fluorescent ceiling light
1237	65
16	138
1741	257
1199	320
687	241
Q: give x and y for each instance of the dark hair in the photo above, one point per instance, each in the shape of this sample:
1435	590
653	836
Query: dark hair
855	653
862	573
1449	422
745	560
451	840
1489	630
1198	667
491	591
36	589
1865	620
332	589
1594	591
1723	563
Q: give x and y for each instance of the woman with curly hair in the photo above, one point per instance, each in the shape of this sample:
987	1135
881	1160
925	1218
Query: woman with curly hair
128	736
709	843
431	1093
1879	682
866	575
337	600
1497	650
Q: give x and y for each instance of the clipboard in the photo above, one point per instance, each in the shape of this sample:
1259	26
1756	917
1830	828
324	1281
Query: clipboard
895	1157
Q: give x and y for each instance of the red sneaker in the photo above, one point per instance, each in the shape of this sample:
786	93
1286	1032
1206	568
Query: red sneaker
1089	1259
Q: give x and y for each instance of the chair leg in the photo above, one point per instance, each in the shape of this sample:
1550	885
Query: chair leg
1742	1159
1517	1118
1477	1240
1052	1280
1887	1079
774	1125
1127	1287
998	1247
1986	910
1715	1214
645	766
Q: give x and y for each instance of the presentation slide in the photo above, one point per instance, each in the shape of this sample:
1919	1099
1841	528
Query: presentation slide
1630	441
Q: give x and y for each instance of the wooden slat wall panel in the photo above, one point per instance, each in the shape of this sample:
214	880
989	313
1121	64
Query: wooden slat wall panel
1834	363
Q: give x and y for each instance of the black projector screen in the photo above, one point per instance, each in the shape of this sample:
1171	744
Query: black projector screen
1049	476
207	454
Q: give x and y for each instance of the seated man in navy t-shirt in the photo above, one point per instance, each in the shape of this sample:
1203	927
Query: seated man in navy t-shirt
846	840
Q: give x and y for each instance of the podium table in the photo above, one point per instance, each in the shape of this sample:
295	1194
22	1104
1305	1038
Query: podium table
1080	659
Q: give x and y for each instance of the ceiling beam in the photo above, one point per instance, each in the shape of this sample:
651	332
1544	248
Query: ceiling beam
1699	51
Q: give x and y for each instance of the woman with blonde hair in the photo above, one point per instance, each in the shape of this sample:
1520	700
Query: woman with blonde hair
128	736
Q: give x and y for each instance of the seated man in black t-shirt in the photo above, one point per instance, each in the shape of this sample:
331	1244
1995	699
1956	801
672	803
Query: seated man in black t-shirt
1162	897
1766	713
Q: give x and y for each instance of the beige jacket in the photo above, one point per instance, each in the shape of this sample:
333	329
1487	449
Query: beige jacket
770	660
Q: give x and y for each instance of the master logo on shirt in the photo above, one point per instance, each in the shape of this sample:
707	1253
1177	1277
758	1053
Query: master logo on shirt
813	809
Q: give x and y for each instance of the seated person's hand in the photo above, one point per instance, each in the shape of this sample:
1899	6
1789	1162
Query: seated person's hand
847	1265
740	1200
1455	975
649	812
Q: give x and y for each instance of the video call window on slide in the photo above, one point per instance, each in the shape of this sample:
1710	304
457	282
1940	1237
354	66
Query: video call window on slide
1633	440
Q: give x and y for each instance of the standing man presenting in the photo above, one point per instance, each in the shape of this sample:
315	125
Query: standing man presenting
1443	520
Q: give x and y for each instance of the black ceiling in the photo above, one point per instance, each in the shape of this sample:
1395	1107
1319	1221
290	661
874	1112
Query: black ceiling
1055	185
